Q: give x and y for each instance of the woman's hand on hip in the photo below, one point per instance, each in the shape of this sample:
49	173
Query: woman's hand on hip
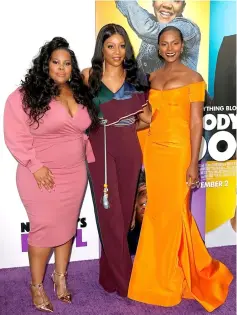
44	178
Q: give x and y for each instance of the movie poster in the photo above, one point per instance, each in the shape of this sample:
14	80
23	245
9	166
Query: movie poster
220	127
209	39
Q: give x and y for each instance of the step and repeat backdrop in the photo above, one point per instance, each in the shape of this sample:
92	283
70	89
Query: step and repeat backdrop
213	54
209	29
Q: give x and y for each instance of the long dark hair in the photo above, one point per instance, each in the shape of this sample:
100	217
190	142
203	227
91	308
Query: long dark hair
175	29
38	88
130	64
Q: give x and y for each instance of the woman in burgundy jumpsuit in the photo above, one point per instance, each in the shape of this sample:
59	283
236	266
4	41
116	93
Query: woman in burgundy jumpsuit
121	99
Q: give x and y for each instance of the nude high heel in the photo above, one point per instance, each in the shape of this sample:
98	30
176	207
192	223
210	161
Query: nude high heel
40	299
60	287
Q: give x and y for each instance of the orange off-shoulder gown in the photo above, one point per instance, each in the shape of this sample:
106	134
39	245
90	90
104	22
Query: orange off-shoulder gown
172	261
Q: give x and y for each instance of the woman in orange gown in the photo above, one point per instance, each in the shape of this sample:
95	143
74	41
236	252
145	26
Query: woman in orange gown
172	261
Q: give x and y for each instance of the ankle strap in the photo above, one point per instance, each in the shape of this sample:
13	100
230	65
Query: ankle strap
36	285
60	274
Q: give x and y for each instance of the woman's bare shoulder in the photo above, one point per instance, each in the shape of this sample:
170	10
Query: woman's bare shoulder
154	75
194	76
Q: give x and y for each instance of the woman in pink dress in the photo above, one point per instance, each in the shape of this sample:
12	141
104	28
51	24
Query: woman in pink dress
44	124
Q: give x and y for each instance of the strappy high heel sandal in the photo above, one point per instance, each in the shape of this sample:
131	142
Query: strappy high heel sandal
60	287
40	298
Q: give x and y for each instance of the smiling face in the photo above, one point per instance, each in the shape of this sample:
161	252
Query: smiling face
60	66
166	11
114	50
170	45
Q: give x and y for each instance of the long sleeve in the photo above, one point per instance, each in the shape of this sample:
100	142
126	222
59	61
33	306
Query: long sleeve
140	20
17	133
88	150
192	39
148	28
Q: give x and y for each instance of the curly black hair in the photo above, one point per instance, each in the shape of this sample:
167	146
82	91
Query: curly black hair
133	75
38	89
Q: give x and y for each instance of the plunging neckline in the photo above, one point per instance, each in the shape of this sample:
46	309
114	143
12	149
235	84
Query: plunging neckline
64	107
111	90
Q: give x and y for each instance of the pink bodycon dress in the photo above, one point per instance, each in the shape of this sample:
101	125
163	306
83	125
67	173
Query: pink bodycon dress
60	144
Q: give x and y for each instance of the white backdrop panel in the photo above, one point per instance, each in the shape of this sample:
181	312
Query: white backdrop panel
24	27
